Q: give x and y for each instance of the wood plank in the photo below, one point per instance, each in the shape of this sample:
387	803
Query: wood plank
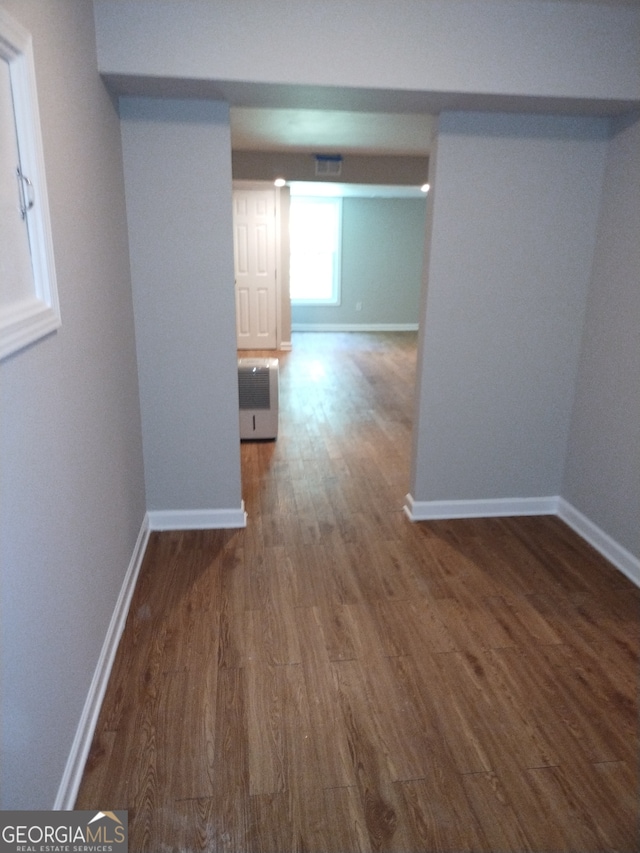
221	823
185	741
602	718
265	688
501	825
577	801
372	779
346	828
333	767
440	816
231	743
414	627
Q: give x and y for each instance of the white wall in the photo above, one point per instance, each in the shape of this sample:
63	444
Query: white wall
543	49
177	158
71	481
515	206
602	477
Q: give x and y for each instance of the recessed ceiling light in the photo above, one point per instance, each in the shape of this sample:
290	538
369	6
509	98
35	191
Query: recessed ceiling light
279	182
425	188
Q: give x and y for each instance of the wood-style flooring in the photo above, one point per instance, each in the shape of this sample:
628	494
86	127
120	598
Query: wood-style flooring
334	678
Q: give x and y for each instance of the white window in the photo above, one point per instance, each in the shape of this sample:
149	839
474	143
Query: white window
316	234
28	295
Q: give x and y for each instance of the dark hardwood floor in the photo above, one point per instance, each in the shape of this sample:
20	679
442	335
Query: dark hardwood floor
335	678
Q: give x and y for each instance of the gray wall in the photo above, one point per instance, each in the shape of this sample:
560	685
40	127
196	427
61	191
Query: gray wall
382	251
71	481
177	158
447	47
515	209
518	200
602	477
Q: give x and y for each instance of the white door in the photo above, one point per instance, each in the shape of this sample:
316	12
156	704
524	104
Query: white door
254	233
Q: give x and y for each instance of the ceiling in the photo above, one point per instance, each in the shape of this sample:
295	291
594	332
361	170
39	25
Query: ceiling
331	131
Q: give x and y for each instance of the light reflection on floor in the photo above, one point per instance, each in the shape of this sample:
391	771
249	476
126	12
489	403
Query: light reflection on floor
317	371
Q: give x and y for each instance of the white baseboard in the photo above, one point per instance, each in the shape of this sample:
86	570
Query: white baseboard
622	559
157	520
431	510
603	543
354	327
72	776
197	519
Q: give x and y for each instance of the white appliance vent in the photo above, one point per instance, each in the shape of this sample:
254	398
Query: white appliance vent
258	395
253	387
328	165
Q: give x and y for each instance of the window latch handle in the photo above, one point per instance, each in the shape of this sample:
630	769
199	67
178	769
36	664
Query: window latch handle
27	193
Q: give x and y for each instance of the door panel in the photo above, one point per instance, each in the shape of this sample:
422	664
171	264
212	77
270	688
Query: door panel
242	250
263	312
242	311
262	256
255	268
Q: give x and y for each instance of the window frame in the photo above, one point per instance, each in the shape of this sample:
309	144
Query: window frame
36	312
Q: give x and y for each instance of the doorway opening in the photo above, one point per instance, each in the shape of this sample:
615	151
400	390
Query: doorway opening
372	252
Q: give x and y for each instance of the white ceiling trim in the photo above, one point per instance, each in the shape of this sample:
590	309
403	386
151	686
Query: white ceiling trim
336	190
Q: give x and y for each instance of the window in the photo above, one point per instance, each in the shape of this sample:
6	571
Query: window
28	295
315	233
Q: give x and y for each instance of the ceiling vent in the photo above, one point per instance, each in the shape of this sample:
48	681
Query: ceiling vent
328	165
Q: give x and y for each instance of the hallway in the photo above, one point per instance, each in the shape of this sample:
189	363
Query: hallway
335	678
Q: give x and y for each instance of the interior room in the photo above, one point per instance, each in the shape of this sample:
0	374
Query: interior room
379	168
505	493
